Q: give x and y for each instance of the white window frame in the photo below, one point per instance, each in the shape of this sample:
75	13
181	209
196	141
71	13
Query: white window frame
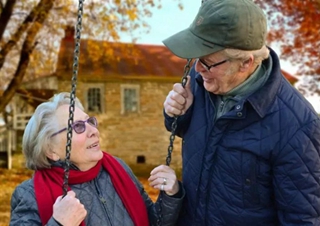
137	89
102	94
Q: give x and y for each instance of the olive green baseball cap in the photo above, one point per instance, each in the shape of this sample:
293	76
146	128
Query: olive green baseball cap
220	24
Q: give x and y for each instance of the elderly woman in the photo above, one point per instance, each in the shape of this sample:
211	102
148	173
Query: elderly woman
103	190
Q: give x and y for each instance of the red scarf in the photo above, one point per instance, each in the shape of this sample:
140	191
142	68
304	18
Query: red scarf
48	186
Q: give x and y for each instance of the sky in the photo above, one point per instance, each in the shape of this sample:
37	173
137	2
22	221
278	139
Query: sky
170	19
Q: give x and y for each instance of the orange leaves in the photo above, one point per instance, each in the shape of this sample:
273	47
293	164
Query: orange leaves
9	179
295	24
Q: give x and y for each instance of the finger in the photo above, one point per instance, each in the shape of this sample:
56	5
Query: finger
153	182
171	111
157	169
160	187
162	176
156	180
162	168
178	99
172	107
178	88
162	172
58	199
71	193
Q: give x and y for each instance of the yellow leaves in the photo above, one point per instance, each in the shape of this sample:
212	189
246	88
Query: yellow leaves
132	14
94	53
9	179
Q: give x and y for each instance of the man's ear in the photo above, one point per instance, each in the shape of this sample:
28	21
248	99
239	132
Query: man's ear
247	64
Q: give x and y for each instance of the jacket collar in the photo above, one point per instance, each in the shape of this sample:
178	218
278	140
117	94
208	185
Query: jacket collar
263	98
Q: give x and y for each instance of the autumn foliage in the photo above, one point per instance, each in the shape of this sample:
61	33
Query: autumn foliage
30	31
295	25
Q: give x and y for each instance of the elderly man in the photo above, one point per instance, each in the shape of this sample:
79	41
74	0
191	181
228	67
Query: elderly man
251	142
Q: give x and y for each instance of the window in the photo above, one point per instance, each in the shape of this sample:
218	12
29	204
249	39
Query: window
94	94
130	101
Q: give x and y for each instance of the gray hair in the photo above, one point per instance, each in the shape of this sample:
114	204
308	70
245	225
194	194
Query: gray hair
259	55
37	141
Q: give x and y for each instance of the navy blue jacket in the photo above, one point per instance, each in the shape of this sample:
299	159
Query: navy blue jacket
259	164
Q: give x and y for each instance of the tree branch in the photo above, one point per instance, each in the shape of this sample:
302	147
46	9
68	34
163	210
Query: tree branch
6	13
23	27
27	48
1	7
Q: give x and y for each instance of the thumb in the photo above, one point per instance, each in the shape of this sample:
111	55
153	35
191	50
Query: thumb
188	85
58	199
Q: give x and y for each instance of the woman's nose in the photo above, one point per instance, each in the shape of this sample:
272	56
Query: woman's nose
92	130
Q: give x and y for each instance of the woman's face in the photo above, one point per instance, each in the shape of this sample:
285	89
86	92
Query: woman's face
85	147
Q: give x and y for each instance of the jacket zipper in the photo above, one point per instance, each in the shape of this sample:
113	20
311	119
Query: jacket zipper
103	201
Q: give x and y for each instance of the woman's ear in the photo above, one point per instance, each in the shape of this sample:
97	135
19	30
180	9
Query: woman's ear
52	155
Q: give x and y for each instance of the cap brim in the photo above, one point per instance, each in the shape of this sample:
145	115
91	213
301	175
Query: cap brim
186	45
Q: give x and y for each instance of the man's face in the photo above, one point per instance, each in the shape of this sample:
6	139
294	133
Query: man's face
221	78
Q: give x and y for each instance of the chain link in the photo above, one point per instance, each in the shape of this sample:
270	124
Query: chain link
184	80
72	97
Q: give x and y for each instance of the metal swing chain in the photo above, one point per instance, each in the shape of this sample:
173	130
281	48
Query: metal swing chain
72	97
184	80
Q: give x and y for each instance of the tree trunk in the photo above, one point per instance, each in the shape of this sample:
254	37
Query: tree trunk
30	19
27	48
5	16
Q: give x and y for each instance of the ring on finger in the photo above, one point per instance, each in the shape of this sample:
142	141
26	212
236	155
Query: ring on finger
164	181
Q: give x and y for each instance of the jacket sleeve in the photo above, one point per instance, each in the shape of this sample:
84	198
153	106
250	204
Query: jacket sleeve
170	206
297	178
24	209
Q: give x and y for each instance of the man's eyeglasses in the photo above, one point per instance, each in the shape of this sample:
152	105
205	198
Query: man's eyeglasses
80	126
208	67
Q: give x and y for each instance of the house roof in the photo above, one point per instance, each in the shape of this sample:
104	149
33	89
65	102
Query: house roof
100	60
104	59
